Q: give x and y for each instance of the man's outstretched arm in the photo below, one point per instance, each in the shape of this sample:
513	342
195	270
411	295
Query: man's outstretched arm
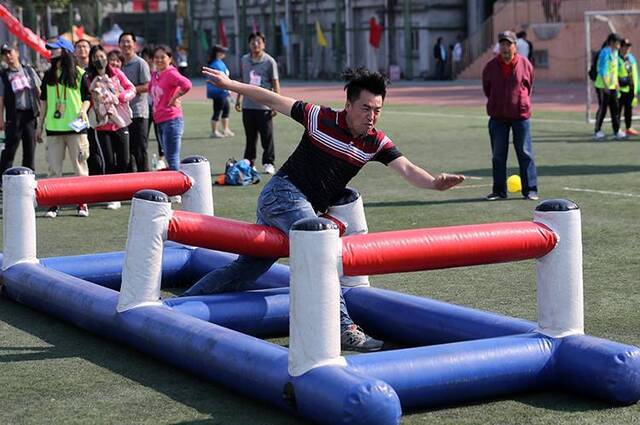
421	178
271	99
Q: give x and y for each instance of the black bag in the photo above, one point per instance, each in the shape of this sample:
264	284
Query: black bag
593	70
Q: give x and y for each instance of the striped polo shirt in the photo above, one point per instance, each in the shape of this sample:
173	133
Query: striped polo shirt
329	156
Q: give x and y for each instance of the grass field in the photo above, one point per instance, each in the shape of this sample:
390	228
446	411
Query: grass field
51	372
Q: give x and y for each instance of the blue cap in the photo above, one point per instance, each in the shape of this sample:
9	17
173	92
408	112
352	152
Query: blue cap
61	43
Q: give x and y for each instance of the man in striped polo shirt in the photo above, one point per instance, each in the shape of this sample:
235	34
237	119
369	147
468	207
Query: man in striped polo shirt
333	149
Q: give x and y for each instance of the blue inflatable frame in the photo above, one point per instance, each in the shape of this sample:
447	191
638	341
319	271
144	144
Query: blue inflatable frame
459	354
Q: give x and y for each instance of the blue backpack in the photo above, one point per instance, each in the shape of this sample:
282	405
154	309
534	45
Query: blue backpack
238	173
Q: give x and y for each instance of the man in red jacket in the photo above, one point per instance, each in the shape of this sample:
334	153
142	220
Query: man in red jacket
507	80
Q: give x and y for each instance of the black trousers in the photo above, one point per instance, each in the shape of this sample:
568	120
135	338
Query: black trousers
22	128
155	131
95	162
115	149
608	100
258	121
625	107
138	143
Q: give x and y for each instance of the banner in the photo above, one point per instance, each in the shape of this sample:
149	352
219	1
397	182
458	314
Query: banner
23	33
322	41
375	32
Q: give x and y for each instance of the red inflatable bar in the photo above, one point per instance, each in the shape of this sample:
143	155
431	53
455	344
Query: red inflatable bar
227	235
445	247
109	187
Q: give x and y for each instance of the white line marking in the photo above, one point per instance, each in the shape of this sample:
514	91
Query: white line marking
470	186
483	117
603	192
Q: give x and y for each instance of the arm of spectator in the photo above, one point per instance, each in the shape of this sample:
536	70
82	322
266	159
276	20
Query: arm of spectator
129	90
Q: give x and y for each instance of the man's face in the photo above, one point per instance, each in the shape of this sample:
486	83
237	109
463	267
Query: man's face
363	114
507	50
256	45
127	46
82	51
12	57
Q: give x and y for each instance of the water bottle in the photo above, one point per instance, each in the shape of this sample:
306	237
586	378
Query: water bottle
154	162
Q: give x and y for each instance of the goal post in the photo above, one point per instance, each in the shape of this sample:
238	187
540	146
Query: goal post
597	26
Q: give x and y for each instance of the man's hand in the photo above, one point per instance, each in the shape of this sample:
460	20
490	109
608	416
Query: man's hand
39	138
238	106
446	181
217	78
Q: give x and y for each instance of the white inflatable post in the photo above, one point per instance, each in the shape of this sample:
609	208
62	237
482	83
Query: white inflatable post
314	320
559	273
199	198
18	216
349	210
142	270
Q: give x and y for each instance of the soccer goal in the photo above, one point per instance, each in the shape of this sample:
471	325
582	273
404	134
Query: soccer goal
597	26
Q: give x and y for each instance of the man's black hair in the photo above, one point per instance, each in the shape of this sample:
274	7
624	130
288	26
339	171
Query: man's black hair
82	40
257	34
363	79
124	34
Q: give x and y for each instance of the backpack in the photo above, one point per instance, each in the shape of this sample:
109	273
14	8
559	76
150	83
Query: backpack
238	173
593	70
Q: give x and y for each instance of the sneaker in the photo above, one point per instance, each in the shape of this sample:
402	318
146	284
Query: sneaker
113	205
269	169
532	196
598	136
228	133
217	135
52	212
620	135
162	164
632	132
354	339
494	196
82	210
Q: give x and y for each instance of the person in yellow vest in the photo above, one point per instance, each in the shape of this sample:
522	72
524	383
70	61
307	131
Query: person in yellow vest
65	99
628	82
606	85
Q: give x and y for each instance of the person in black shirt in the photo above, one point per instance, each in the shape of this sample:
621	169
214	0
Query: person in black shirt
333	149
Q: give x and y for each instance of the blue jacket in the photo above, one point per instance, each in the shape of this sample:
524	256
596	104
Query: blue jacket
212	91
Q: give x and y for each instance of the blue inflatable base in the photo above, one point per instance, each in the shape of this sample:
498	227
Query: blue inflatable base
455	354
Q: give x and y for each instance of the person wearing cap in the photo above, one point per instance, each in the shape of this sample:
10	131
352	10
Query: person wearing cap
220	97
65	100
507	81
19	109
137	71
607	86
628	82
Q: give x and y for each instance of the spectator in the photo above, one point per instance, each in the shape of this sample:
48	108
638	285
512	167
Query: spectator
19	100
65	100
507	81
628	81
440	55
137	71
82	48
606	86
524	46
115	58
147	55
456	56
258	69
334	147
181	60
111	92
220	97
166	88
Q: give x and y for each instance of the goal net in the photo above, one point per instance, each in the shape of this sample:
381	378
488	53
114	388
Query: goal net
597	26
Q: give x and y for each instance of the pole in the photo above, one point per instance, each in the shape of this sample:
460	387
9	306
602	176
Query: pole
98	18
287	18
71	21
305	42
408	54
272	27
338	48
348	32
216	11
167	25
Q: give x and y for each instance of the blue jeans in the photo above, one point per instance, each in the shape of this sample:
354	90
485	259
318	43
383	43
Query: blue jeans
499	133
170	138
280	204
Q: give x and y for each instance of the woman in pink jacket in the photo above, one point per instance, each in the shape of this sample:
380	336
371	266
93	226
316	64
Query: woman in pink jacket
166	87
111	92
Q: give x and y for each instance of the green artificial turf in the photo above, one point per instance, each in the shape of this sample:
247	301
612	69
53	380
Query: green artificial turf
51	372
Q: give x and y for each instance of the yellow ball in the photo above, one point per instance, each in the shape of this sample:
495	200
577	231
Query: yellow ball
514	184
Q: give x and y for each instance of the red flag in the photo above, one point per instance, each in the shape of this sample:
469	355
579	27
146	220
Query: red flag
23	33
375	32
79	32
222	35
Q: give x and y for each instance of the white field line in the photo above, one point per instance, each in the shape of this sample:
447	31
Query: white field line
482	117
471	186
602	192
